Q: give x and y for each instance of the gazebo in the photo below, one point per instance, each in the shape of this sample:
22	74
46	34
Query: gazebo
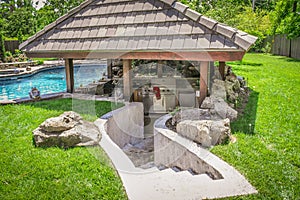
138	29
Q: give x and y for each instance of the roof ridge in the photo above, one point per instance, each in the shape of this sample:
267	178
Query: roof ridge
243	39
57	21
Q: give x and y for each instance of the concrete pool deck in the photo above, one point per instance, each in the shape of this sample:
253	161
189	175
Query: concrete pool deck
37	68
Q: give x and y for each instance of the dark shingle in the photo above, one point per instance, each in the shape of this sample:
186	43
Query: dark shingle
203	41
165	42
132	43
94	32
122	43
185	28
148	6
140	30
70	45
129	7
129	19
171	15
198	29
174	28
119	8
86	45
139	18
162	29
102	21
150	17
217	41
112	43
94	21
103	44
111	20
143	43
190	42
111	31
85	33
120	19
151	29
178	41
86	22
160	17
154	42
120	31
102	32
95	44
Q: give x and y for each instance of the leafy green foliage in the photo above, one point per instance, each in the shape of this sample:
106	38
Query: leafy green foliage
54	9
268	152
20	19
286	18
28	172
259	17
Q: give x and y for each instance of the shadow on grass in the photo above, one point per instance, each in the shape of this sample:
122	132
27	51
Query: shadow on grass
246	122
87	107
246	63
289	59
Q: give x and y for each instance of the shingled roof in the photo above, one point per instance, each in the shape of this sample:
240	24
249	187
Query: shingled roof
110	28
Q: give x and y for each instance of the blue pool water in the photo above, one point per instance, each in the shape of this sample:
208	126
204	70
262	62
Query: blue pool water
49	81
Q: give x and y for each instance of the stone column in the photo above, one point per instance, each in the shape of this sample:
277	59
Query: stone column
69	75
127	79
222	69
203	80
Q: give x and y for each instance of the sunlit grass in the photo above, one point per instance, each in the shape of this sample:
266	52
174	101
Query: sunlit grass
28	172
268	155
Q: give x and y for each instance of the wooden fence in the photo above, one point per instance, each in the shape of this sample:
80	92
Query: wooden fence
11	45
280	45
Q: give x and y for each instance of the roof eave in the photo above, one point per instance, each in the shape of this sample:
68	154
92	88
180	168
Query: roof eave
196	55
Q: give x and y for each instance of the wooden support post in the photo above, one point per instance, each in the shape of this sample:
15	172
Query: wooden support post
222	69
69	75
203	80
159	69
127	82
109	68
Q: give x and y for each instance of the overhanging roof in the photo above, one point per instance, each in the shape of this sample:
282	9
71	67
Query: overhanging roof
138	29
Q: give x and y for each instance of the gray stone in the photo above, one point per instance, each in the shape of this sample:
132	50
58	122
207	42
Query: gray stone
207	103
218	89
223	109
232	86
67	130
191	114
206	132
63	122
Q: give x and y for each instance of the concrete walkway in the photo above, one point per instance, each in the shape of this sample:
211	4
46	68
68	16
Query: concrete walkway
167	184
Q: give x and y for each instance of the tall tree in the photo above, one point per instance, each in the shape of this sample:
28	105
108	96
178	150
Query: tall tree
54	9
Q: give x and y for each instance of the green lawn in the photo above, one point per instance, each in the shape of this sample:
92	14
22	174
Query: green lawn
268	151
27	172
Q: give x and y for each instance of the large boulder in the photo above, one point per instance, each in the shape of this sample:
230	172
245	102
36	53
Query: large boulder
205	132
219	108
63	122
67	130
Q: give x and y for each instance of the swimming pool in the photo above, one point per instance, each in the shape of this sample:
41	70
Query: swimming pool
50	81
